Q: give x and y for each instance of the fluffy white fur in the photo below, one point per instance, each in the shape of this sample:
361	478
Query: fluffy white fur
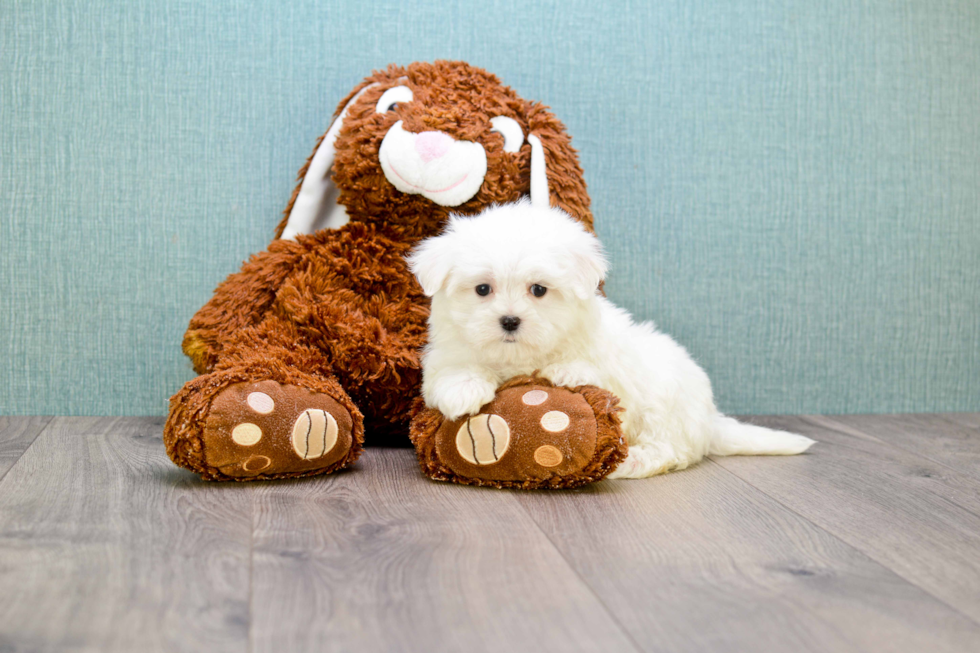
571	334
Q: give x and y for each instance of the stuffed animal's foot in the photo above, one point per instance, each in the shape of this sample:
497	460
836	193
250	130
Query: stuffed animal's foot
532	435
266	429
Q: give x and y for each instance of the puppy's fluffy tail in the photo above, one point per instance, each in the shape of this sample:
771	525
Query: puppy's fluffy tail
733	438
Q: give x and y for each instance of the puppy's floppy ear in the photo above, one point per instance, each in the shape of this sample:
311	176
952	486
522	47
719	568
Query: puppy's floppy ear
432	262
589	265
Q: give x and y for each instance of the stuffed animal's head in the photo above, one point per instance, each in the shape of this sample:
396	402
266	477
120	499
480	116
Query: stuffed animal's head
410	145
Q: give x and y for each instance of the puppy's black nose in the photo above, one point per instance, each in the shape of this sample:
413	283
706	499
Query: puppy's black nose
510	322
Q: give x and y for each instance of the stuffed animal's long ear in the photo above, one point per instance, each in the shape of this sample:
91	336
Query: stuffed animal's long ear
555	167
314	205
432	261
540	197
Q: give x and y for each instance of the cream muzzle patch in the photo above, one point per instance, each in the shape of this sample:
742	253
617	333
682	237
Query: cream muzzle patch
433	164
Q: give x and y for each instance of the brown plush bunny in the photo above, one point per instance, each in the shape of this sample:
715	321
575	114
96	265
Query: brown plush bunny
316	340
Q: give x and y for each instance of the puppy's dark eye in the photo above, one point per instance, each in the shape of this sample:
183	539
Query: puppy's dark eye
483	289
538	290
392	106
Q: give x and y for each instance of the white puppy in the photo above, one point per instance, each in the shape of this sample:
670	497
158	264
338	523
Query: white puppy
515	290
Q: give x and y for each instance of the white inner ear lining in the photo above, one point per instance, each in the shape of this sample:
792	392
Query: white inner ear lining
539	174
316	204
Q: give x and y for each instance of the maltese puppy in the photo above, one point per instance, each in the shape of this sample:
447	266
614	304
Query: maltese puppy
515	290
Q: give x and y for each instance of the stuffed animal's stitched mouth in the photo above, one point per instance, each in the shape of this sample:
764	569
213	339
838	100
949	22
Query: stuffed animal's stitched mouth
422	189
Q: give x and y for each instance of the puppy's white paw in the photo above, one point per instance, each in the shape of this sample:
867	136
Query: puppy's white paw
462	396
572	374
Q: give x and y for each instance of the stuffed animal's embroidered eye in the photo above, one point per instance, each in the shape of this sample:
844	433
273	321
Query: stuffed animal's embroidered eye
392	98
483	289
538	290
510	130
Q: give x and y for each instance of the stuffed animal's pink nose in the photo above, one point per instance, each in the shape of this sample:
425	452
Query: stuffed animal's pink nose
432	145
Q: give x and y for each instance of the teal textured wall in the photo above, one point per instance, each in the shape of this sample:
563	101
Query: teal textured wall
791	188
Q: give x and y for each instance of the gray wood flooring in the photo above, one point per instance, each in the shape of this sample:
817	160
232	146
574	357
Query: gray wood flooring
869	542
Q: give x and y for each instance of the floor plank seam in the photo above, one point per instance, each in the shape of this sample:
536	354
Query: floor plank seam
973	430
918	454
612	615
43	430
956	504
849	544
249	640
958	473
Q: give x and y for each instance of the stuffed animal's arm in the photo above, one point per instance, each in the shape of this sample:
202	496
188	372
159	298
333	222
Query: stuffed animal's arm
240	301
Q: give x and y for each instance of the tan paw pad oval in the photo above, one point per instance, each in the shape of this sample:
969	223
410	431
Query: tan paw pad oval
261	403
554	421
256	463
534	397
314	433
483	439
246	434
548	456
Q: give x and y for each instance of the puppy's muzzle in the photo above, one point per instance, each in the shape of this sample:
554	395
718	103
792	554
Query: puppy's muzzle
510	323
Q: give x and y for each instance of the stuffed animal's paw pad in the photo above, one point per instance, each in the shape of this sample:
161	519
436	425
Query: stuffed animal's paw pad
260	402
268	428
534	397
246	434
554	421
483	439
314	433
548	456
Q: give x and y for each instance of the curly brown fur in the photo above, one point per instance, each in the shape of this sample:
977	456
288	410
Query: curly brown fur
610	448
341	305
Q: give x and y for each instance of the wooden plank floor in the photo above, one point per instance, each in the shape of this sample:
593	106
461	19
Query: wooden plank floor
869	542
